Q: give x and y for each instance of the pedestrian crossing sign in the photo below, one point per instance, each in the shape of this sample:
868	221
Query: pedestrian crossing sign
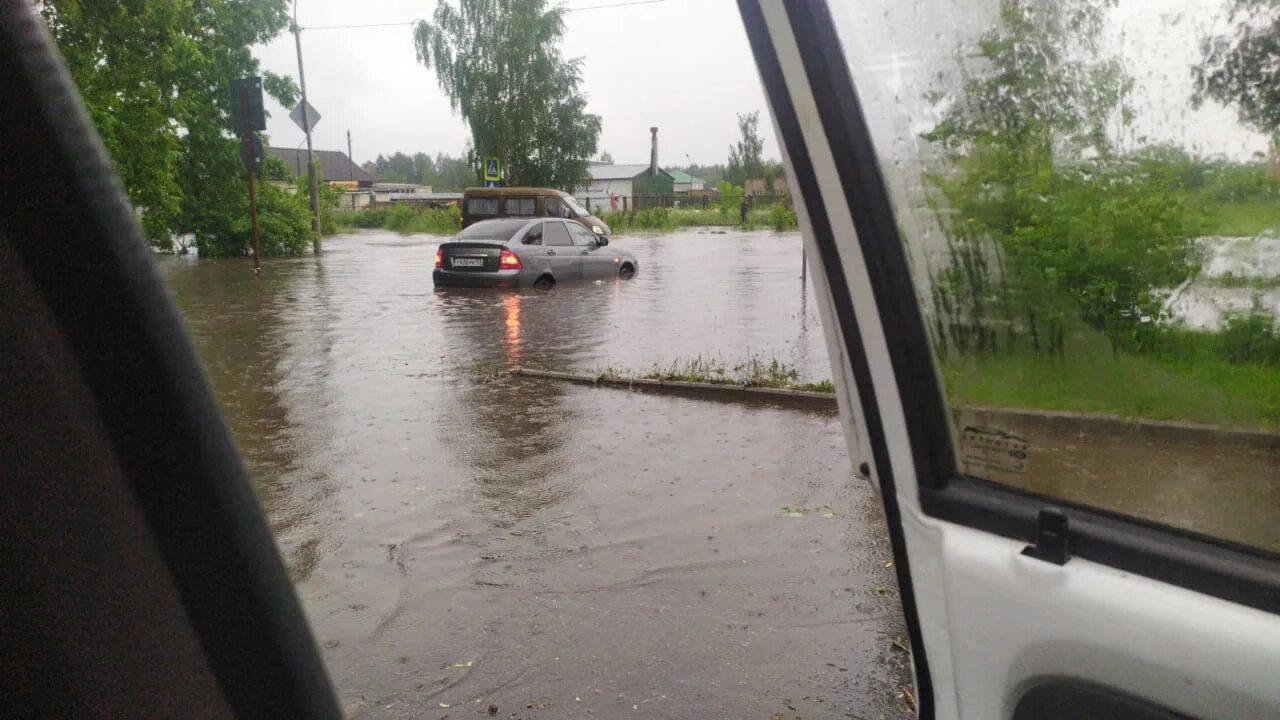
492	169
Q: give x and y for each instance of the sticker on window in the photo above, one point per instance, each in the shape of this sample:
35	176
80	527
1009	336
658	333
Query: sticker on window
987	449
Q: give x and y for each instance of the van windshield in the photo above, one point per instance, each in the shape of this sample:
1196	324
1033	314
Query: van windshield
575	206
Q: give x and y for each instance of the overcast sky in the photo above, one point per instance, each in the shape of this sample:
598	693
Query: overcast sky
682	65
685	66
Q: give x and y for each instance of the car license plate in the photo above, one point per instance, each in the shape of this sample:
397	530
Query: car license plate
468	262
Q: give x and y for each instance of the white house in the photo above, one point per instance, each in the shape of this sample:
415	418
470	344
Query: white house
609	181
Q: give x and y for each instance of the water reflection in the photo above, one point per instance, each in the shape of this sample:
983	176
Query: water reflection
246	330
511	436
511	304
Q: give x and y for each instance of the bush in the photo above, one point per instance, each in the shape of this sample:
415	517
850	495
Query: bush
401	217
405	218
284	223
1234	183
730	198
1032	244
1250	339
777	217
781	217
370	218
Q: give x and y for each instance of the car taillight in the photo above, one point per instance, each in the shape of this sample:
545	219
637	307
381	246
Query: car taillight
507	260
439	258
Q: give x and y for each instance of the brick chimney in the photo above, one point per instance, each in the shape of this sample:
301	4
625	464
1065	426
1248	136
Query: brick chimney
653	152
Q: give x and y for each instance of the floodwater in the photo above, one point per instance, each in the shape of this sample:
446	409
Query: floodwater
461	539
1240	275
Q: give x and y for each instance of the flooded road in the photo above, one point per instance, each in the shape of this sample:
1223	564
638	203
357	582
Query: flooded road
461	539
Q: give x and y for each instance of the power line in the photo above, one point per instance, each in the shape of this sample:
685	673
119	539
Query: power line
367	25
415	22
621	4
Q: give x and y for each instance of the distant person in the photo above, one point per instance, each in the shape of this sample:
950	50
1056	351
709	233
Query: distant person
613	202
742	210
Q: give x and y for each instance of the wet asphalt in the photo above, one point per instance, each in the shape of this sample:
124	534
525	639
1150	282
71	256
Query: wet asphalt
462	539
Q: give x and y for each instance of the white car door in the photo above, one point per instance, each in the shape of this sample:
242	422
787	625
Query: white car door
1085	523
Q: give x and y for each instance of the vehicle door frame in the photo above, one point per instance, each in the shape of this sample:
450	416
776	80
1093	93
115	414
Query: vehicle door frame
595	265
533	256
169	504
947	529
565	260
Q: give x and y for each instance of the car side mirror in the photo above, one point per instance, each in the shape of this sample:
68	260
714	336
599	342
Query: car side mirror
602	240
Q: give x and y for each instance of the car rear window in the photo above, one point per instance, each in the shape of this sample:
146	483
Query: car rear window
521	206
492	230
482	206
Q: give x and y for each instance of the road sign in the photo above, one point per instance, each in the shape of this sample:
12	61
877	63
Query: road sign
296	116
492	170
246	105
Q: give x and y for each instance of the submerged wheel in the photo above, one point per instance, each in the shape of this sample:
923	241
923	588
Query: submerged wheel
546	282
626	272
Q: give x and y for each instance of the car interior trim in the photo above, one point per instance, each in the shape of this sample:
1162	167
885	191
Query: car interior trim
71	226
806	180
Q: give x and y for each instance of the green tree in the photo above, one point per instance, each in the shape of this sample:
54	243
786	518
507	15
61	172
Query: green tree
606	158
500	63
1238	68
1029	164
424	169
454	174
399	168
711	174
774	175
745	162
154	76
1037	85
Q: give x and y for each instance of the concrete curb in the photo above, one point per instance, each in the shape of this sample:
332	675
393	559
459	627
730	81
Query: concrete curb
1167	431
734	392
1007	418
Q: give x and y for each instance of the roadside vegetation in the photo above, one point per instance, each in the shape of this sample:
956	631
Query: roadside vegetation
405	218
726	214
1189	380
754	371
1222	378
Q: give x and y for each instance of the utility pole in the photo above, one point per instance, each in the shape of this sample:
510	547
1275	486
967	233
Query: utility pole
249	155
351	171
306	128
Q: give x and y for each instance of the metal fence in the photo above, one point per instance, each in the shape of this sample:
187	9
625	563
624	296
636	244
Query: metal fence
635	203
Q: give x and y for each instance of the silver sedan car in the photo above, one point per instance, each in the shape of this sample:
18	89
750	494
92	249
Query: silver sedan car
528	252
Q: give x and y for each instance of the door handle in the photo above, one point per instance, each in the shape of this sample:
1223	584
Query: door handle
551	252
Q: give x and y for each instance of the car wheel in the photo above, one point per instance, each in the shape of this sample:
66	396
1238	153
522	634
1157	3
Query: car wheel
546	282
626	272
